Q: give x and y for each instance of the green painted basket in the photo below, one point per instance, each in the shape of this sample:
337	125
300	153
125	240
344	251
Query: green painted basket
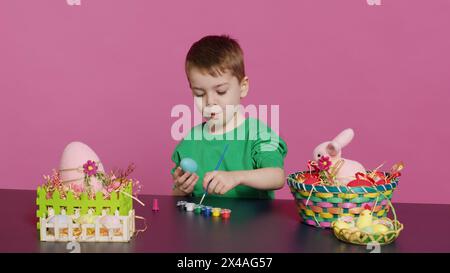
320	206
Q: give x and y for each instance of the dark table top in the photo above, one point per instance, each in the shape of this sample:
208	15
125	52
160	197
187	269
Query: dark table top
258	226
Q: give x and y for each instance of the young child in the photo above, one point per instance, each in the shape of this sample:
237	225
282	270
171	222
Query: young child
253	163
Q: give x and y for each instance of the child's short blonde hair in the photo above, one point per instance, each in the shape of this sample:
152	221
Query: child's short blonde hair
216	54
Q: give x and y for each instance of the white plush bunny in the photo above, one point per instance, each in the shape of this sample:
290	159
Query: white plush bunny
333	149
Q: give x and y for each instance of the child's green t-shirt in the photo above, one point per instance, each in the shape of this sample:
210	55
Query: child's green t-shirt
252	145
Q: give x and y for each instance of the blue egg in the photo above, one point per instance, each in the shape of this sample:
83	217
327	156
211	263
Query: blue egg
188	165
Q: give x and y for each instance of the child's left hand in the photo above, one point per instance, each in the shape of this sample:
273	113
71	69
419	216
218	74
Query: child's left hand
221	181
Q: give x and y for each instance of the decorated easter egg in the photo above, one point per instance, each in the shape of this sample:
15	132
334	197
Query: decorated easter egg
86	219
78	160
60	220
110	221
347	219
379	228
385	222
188	165
341	225
368	229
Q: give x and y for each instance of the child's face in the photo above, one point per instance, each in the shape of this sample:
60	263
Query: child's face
217	97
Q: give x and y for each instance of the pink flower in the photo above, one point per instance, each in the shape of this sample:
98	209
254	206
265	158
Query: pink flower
324	163
90	168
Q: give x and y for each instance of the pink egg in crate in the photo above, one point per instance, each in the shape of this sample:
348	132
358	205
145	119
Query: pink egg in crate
78	160
59	220
110	221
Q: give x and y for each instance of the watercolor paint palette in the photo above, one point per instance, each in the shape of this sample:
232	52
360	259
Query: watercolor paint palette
206	211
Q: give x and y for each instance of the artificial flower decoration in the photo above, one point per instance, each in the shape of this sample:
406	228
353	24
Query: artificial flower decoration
312	165
90	168
53	183
115	181
323	173
324	163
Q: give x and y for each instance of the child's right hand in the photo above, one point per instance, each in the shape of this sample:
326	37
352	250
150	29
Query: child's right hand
184	181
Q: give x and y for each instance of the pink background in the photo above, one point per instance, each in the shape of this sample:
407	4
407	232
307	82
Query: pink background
108	73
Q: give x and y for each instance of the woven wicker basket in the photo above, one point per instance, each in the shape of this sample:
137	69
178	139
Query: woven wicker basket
321	205
363	238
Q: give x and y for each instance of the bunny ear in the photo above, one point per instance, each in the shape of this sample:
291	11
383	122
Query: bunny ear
344	138
333	149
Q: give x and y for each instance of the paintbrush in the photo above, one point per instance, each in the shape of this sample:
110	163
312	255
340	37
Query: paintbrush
217	167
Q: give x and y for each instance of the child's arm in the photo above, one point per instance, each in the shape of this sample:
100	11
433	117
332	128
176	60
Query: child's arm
263	179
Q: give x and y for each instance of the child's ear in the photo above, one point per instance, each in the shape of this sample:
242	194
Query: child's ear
244	87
